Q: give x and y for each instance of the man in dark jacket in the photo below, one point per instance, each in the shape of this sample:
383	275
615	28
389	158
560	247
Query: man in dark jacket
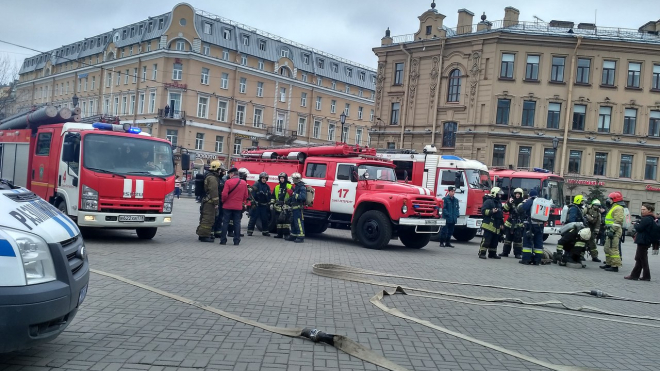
492	224
261	205
297	198
450	213
574	242
513	228
217	226
645	236
533	236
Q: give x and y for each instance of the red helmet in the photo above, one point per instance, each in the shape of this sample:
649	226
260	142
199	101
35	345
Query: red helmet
615	196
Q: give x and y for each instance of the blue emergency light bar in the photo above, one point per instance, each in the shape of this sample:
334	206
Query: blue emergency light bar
126	128
539	170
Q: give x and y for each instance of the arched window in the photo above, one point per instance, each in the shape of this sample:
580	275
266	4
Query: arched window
449	134
454	93
284	71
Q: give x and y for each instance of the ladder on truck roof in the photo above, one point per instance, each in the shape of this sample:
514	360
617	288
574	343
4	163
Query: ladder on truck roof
301	152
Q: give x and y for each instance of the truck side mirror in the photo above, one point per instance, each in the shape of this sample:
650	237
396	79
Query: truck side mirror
354	174
69	152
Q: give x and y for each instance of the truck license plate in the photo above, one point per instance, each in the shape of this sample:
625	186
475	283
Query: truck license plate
131	218
81	296
431	221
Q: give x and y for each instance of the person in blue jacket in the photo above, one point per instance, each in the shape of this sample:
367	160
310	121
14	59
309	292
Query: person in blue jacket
450	213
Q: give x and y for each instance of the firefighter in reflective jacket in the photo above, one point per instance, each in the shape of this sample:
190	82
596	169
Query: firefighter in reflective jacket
279	204
613	229
574	242
210	204
492	224
533	236
297	198
260	196
593	220
513	228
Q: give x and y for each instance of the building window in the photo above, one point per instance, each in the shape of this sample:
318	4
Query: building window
349	72
506	70
306	58
347	109
282	94
358	136
630	121
152	102
154	72
302	126
529	110
180	46
360	109
208	28
199	141
398	73
454	92
583	69
625	169
262	45
579	114
242	85
225	54
394	116
141	103
205	76
391	145
499	154
655	81
244	60
124	105
371	116
177	71
334	85
348	89
554	110
503	107
360	93
316	131
651	170
258	121
116	109
331	132
224	81
219	143
574	161
532	69
261	65
222	111
549	159
246	40
604	119
240	114
237	146
202	107
557	74
449	134
260	89
303	99
135	75
172	136
321	63
634	70
609	68
319	81
600	163
303	77
318	103
524	157
226	34
335	67
362	76
144	75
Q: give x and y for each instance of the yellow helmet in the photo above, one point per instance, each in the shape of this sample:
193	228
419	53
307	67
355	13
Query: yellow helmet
215	165
518	190
495	191
577	200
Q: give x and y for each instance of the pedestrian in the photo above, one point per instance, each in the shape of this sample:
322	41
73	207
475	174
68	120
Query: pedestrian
613	229
261	196
513	228
532	252
177	187
593	221
297	198
492	224
234	196
222	178
209	204
279	203
646	235
450	213
242	174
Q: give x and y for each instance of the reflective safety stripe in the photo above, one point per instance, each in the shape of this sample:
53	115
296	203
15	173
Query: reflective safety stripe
538	251
615	256
560	247
526	250
609	220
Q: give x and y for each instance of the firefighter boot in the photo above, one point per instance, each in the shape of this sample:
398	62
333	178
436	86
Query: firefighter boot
278	236
299	240
265	234
249	233
207	239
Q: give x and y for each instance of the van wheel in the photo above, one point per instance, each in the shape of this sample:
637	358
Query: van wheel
374	229
61	206
413	240
146	233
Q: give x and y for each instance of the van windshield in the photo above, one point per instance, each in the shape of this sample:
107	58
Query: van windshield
124	155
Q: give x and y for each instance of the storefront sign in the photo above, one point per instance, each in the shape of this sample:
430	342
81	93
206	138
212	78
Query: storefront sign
652	188
175	85
585	182
243	136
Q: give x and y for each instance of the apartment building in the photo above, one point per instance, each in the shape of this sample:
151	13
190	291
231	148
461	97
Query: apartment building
579	100
207	84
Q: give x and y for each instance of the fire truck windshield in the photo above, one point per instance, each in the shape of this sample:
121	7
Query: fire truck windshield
122	155
374	172
478	178
554	190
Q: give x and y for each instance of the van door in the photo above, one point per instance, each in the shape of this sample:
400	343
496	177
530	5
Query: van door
39	174
344	191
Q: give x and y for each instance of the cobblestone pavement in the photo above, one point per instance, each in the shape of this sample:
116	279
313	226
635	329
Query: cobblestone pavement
268	280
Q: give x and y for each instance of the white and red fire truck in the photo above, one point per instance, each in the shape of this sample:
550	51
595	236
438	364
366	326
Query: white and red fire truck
100	175
353	188
438	172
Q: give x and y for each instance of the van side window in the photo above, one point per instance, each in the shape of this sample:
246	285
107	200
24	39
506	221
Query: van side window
43	144
344	172
315	170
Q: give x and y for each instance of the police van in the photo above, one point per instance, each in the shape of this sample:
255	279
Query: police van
44	270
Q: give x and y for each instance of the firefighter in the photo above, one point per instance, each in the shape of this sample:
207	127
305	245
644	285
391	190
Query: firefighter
593	221
513	228
574	215
574	241
242	175
297	198
613	229
492	224
222	177
261	196
279	204
532	252
210	204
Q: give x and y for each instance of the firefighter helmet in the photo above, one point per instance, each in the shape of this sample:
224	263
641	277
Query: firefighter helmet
296	177
243	173
577	200
616	196
595	202
283	175
263	174
518	190
585	234
215	165
495	191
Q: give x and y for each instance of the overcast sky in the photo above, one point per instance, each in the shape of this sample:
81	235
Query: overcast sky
347	28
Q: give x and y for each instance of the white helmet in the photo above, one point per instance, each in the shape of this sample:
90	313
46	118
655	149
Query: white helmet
585	233
243	173
296	177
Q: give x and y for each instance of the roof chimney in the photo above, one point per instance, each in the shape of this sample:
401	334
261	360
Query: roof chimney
464	21
511	16
561	24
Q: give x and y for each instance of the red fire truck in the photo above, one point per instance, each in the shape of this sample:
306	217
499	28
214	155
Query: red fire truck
100	175
548	185
438	172
353	188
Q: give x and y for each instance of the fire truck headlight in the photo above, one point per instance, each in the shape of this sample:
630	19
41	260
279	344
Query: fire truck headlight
404	209
37	261
90	199
169	202
90	205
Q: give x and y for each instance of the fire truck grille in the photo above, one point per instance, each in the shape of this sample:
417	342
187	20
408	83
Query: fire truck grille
425	206
130	207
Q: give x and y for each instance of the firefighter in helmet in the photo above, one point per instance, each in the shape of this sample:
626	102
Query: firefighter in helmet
513	228
492	224
574	216
613	229
210	204
532	252
279	203
260	197
593	221
297	198
574	241
222	177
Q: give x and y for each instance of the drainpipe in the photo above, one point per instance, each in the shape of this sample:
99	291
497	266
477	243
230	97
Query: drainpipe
230	149
404	111
437	91
137	89
310	123
570	98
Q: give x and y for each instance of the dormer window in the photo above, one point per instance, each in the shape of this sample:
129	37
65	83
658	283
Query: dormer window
246	40
349	72
373	79
132	31
123	35
141	29
208	28
321	63
362	75
306	58
226	34
335	68
284	53
150	27
161	23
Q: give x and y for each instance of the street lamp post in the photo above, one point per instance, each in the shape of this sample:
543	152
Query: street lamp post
75	100
555	144
342	118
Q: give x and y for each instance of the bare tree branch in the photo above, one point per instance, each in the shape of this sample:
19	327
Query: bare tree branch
8	79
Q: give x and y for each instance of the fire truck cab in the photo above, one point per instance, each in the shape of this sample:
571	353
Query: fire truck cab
353	188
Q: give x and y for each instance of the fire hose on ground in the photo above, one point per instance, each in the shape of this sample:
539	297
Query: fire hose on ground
358	275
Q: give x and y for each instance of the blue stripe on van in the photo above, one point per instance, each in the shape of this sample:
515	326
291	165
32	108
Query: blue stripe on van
6	249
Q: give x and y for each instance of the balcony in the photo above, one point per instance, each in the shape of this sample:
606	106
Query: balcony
279	134
171	117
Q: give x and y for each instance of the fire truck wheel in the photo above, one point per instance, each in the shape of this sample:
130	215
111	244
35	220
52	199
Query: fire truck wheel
316	227
61	206
464	234
374	229
146	233
414	240
545	236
